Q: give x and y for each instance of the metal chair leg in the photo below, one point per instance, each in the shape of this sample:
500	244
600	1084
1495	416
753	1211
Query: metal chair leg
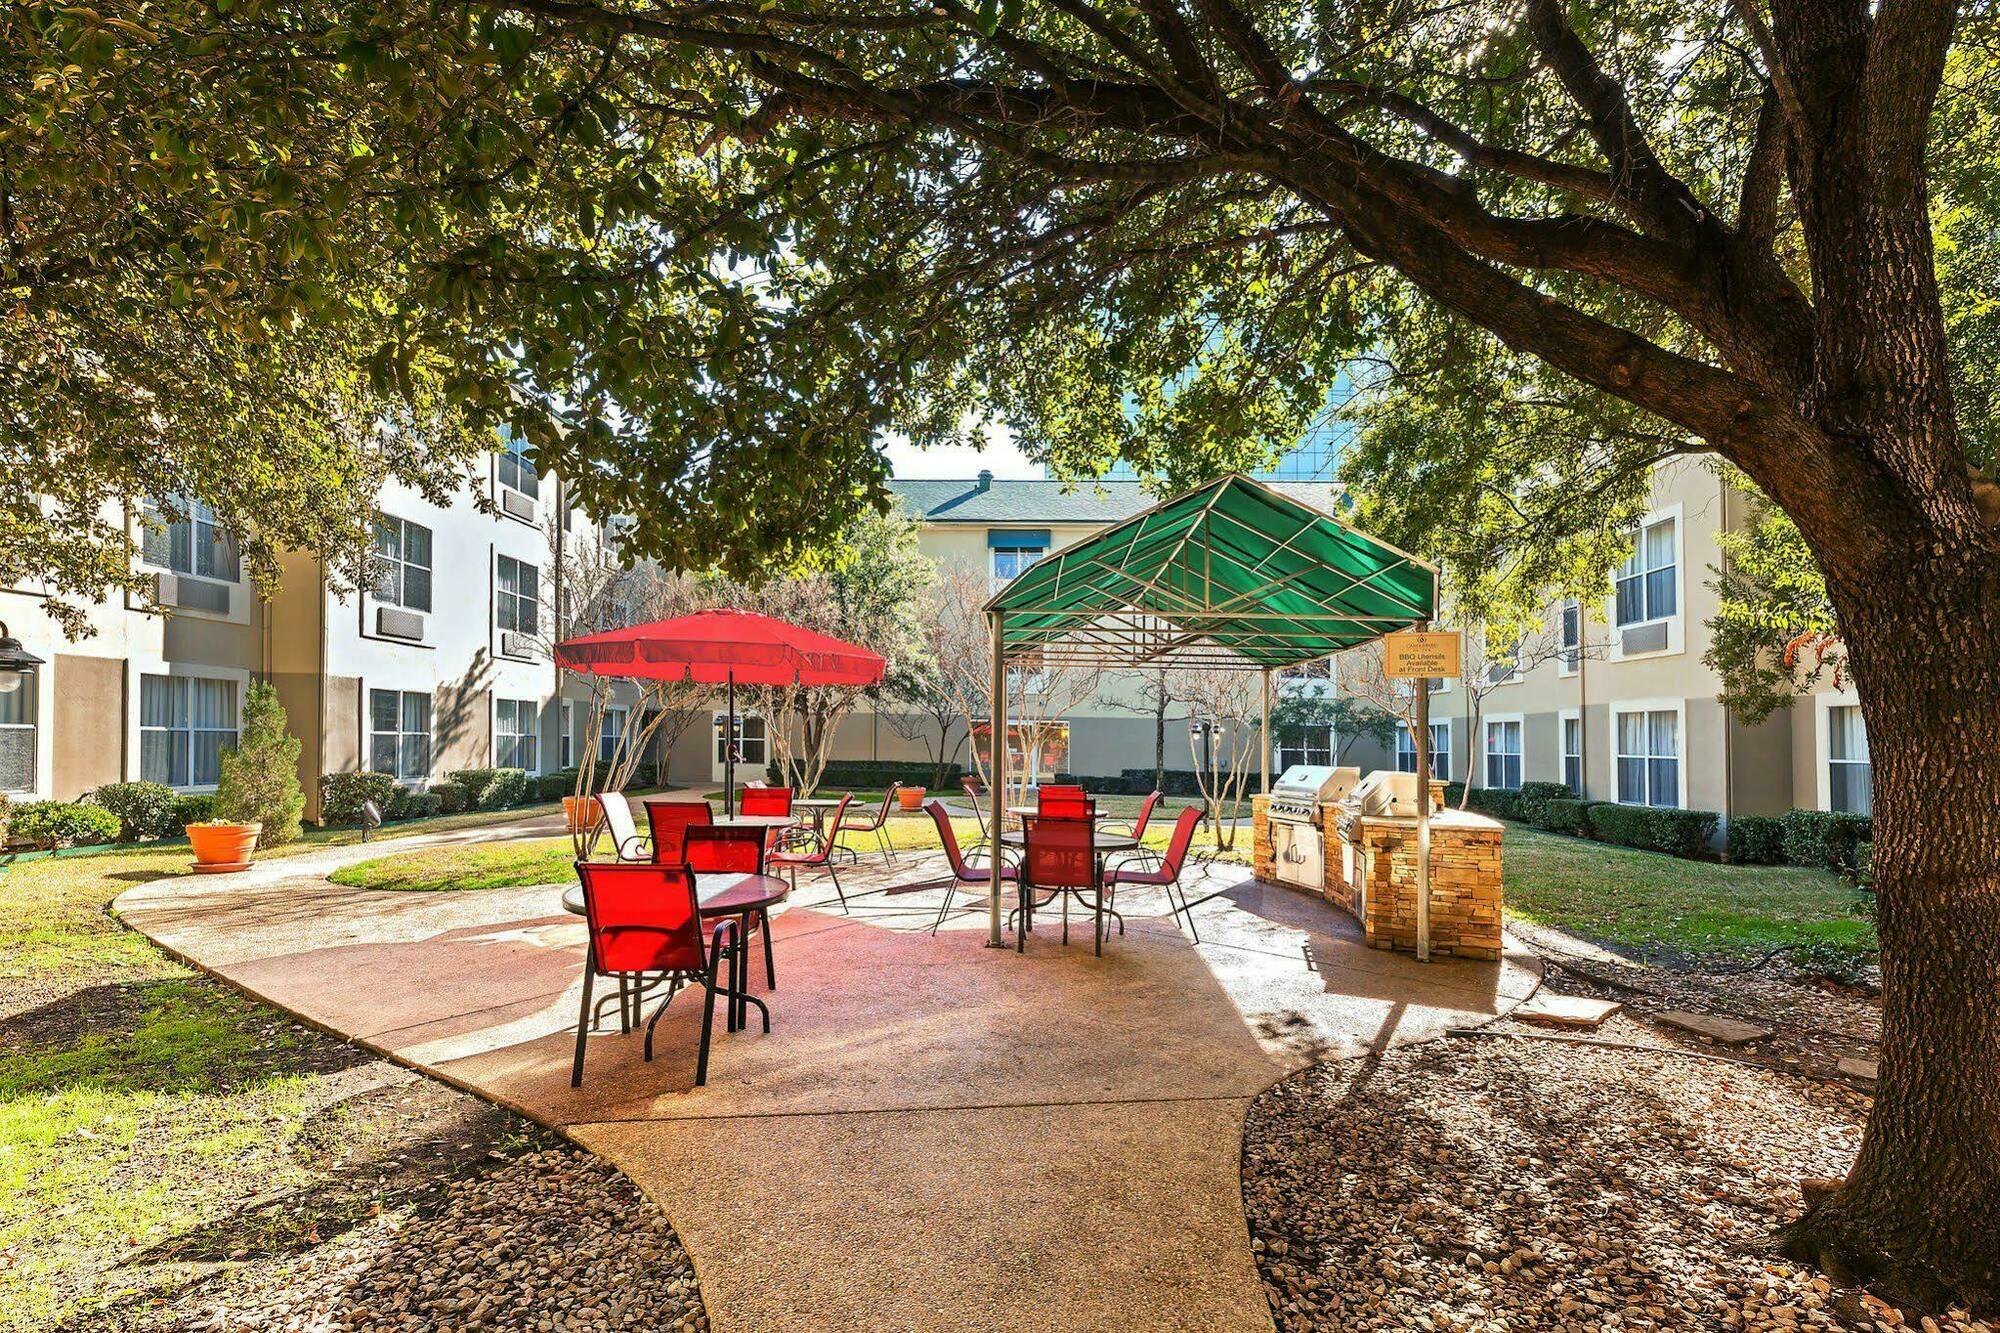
707	1021
653	1022
834	875
770	964
882	841
583	1020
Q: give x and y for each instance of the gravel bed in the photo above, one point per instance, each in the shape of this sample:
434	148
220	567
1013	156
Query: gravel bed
554	1239
1498	1184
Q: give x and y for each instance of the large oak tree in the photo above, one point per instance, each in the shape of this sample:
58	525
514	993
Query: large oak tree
707	251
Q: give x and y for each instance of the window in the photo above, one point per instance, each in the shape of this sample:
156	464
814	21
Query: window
1406	752
1571	628
1503	753
1850	780
516	462
1010	562
185	723
750	739
1319	668
1572	729
1649	757
515	743
399	734
1304	745
194	544
402	563
1042	750
566	743
1648	582
17	733
611	736
516	599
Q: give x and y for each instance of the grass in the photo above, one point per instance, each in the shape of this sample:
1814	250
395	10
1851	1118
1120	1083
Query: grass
508	865
144	1110
1660	904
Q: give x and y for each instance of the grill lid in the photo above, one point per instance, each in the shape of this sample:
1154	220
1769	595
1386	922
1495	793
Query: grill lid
1313	783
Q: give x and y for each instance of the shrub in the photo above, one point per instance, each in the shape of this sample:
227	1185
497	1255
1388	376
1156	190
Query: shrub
6	811
1139	781
407	804
1864	864
861	774
144	809
1565	815
341	795
453	798
1825	838
259	781
1756	840
555	786
1677	832
192	809
1500	802
491	788
1454	792
64	824
1533	796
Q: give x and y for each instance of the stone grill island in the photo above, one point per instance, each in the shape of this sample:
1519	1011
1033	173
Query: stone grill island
1354	842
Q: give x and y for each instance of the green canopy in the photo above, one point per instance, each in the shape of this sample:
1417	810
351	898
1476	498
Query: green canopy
1232	574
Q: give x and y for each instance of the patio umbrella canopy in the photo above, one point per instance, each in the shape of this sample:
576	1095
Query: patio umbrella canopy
723	647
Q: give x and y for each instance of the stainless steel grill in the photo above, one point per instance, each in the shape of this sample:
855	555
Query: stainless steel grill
1300	791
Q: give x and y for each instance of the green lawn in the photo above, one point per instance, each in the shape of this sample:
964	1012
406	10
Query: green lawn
1662	904
144	1109
485	866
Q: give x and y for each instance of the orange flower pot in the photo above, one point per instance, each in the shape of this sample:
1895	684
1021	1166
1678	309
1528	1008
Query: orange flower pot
581	813
222	847
910	798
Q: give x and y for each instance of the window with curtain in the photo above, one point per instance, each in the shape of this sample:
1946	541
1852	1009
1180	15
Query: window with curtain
515	743
1572	729
192	544
399	734
1648	584
1850	781
1503	754
516	461
1406	751
185	723
1649	758
17	735
1304	745
518	595
402	563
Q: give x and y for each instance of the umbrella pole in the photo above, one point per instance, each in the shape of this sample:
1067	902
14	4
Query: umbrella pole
729	755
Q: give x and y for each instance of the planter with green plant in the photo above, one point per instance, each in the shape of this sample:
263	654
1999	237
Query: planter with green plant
257	796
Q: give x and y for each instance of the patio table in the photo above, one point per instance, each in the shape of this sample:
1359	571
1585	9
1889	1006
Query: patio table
726	894
1105	842
818	807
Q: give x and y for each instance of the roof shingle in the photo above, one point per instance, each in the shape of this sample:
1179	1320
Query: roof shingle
1001	502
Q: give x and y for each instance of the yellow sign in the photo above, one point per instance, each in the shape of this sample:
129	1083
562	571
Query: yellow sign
1422	656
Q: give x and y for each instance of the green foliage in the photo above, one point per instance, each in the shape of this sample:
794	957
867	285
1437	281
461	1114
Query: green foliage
144	809
453	798
1864	863
341	795
409	804
1317	710
555	786
1684	833
259	782
870	774
6	813
1756	840
434	869
1565	815
62	824
192	808
1533	798
1826	838
492	788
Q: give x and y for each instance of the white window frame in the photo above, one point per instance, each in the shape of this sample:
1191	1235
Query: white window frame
756	749
1678	707
1487	753
137	669
508	458
198	516
1674	622
1823	706
401	564
506	605
368	732
566	739
533	735
41	684
1442	772
1332	746
1041	553
1563	719
605	733
1569	657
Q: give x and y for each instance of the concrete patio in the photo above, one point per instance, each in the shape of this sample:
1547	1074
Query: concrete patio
934	1135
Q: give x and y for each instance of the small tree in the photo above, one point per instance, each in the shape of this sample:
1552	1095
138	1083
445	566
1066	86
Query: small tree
259	781
1158	691
1233	702
1350	720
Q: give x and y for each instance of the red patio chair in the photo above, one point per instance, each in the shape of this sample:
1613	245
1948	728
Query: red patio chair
1062	855
963	874
766	800
645	923
1064	802
740	851
670	821
814	858
1168	875
1138	829
975	796
877	823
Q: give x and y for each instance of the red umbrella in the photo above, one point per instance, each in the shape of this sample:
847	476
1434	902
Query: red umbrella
718	647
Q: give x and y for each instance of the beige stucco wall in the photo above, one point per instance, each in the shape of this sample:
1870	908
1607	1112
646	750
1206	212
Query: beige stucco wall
91	723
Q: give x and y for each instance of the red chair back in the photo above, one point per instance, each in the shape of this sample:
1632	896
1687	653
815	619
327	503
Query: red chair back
1177	846
1061	853
818	855
950	840
1145	813
670	821
767	800
717	851
1064	802
642	918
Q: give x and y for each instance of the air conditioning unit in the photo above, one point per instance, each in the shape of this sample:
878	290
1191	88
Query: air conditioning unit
192	594
1644	639
516	504
513	644
393	622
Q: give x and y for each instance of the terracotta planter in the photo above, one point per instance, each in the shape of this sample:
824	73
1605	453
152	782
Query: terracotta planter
581	813
910	798
222	847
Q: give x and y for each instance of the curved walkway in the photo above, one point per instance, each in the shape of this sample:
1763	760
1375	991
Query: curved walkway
934	1135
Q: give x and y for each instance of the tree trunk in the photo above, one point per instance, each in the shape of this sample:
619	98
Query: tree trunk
1160	746
1917	1213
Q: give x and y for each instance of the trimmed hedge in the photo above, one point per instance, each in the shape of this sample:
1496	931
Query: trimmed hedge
1864	864
143	809
862	774
1756	840
1565	815
453	797
492	788
192	809
63	824
1683	833
555	786
1826	838
407	804
1534	796
341	795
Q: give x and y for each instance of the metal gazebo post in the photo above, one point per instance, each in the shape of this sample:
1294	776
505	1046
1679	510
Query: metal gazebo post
1422	737
1264	736
997	788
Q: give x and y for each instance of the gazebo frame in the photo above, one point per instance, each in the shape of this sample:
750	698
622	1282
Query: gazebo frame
1233	575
